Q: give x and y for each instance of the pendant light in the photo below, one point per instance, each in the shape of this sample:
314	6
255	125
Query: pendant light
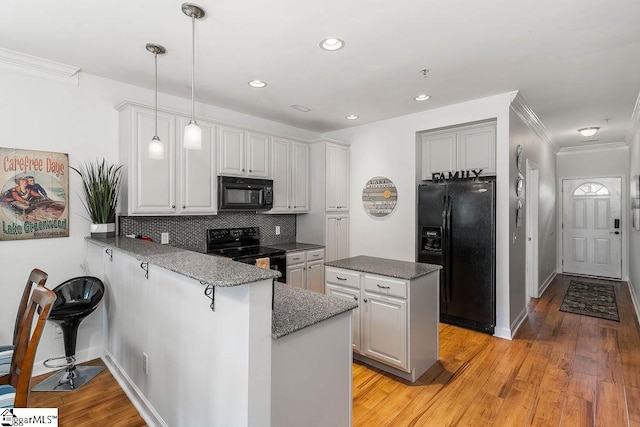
192	132
156	147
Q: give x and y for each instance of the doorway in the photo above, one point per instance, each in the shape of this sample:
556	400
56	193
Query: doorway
532	192
591	227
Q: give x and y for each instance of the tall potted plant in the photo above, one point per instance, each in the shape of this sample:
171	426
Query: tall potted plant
101	189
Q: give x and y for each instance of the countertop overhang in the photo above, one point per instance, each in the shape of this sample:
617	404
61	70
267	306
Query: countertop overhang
385	267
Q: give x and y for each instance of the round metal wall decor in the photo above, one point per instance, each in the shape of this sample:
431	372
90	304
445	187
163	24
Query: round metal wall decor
379	196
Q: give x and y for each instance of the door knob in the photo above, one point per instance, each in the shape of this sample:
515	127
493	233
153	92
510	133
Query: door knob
614	232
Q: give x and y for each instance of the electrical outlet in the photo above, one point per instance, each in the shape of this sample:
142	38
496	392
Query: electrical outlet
164	238
277	230
57	332
145	363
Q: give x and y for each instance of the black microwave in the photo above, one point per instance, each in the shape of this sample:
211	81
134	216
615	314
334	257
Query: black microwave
244	194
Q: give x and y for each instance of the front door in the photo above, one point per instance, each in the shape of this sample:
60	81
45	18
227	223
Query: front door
592	240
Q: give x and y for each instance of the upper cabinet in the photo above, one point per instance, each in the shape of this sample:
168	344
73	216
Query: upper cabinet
181	183
290	163
460	149
243	153
337	177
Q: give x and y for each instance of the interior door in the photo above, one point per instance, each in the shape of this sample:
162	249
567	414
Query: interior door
592	232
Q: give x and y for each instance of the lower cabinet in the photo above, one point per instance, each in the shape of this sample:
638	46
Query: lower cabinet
305	269
396	323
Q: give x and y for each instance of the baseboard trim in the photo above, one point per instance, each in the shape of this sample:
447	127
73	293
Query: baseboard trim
634	299
137	398
518	322
504	333
81	357
546	283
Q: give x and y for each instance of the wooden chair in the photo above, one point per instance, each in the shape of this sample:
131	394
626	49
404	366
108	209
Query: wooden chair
37	278
16	393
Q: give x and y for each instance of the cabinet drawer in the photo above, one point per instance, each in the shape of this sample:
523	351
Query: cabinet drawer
342	277
385	286
315	255
295	258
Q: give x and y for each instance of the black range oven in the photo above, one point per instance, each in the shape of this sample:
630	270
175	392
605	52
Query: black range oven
243	245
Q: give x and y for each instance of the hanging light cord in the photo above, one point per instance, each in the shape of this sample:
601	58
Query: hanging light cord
193	67
155	57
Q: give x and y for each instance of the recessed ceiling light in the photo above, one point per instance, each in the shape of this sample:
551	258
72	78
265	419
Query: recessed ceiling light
301	108
590	131
332	43
422	97
257	83
351	117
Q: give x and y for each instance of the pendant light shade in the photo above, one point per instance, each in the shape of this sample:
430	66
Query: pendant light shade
192	133
156	147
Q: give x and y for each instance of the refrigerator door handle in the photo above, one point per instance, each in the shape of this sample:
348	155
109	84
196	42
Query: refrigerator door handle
448	253
444	243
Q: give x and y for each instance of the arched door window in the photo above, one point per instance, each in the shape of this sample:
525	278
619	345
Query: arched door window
591	189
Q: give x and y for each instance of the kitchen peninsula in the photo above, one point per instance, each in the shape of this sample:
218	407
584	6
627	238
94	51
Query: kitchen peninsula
395	328
193	338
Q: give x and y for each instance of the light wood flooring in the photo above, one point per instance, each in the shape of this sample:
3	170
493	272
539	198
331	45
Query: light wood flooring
562	369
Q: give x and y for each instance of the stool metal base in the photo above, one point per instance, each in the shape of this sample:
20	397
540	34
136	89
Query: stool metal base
60	381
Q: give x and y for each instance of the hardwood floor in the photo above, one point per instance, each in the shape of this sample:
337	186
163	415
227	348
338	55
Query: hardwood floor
562	369
100	402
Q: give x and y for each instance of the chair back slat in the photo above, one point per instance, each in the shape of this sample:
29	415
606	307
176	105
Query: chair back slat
24	353
37	277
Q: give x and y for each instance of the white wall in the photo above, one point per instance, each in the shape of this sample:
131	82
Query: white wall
45	114
388	148
596	162
540	153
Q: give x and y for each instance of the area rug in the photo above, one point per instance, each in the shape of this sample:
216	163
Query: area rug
591	299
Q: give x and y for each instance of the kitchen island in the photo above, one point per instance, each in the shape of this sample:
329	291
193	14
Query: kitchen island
208	334
395	328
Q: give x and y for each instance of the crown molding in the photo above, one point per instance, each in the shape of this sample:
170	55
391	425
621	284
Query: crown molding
634	129
35	66
520	106
594	148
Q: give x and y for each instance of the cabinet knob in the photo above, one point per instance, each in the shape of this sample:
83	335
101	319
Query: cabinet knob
243	170
173	206
288	207
355	298
365	300
250	170
183	206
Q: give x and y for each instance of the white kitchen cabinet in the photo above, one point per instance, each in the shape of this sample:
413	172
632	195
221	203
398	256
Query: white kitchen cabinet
290	164
395	327
337	238
243	153
348	294
337	177
305	269
461	149
183	182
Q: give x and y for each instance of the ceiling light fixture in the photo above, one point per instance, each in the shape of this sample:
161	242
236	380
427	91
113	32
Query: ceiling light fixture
257	83
332	44
351	117
156	147
301	108
422	97
192	132
590	131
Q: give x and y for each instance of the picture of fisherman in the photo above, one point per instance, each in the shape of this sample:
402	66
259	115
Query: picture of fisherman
21	195
32	185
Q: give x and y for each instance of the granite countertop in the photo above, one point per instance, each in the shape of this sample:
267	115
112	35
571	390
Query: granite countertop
385	267
296	246
295	309
213	270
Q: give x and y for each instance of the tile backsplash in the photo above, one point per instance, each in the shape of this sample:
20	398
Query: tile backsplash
189	231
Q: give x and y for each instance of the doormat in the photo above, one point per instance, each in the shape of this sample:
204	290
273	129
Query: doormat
591	299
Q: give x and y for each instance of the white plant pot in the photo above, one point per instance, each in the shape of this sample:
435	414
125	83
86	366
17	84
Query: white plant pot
102	231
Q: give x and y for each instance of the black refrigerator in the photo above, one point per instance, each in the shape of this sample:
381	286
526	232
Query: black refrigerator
456	229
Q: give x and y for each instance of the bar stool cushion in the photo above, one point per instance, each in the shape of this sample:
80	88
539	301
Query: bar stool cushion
6	352
7	396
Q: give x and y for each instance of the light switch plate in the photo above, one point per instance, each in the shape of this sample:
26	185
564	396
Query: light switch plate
164	238
277	230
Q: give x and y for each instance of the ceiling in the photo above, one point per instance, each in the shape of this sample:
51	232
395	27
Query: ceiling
576	61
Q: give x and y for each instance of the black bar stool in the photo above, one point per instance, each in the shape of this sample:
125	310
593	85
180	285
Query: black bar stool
77	298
